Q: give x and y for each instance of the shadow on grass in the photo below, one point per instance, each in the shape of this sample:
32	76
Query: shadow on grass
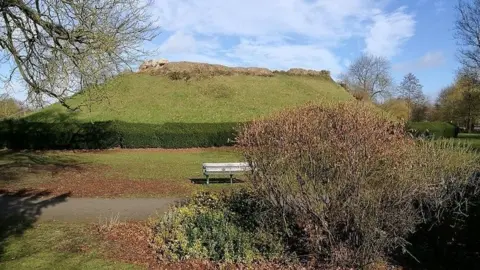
20	210
202	181
14	166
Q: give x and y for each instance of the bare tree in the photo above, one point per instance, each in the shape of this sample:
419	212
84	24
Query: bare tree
410	90
369	73
467	32
59	47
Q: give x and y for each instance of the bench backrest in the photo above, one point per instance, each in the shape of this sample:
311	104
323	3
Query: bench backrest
226	167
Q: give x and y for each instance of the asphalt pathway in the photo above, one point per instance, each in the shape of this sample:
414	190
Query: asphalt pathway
63	208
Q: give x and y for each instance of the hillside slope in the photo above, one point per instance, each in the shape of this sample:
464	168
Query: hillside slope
144	98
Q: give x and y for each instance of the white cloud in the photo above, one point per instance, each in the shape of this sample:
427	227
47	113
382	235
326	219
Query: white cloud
389	32
429	60
279	33
315	19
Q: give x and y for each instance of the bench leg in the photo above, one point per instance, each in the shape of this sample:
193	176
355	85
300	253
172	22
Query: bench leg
208	179
231	179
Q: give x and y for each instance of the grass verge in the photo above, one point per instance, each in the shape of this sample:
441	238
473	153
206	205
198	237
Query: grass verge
54	245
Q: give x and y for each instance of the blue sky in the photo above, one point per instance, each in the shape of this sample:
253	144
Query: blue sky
416	35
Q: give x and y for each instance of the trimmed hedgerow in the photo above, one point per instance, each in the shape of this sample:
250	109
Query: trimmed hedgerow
176	135
24	134
435	129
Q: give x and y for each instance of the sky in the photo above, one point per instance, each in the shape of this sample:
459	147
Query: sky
415	35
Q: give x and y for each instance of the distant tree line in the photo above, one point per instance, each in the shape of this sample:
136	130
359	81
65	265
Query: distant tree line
369	78
10	107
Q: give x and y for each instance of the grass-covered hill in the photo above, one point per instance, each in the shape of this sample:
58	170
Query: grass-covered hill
146	98
159	107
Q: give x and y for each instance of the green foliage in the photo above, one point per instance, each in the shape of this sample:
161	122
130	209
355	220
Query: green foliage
24	134
435	129
225	228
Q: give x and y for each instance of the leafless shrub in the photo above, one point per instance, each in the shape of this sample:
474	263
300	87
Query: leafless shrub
353	180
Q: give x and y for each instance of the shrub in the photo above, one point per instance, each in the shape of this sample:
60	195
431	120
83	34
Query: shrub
435	129
352	179
223	229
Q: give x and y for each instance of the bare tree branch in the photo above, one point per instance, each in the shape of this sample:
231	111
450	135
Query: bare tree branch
61	47
467	32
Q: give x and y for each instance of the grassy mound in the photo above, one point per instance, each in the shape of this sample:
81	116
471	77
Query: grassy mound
143	98
175	106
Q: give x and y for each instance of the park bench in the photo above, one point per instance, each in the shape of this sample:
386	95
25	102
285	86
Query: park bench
225	168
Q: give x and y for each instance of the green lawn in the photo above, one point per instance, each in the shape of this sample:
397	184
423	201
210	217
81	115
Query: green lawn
174	165
168	172
54	245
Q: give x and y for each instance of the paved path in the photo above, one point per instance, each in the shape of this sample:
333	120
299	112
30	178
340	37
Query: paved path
63	208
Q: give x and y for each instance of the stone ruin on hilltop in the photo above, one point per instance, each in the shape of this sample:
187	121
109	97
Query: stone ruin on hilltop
187	70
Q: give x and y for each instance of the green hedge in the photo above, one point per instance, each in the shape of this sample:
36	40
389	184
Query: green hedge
176	135
24	134
435	129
